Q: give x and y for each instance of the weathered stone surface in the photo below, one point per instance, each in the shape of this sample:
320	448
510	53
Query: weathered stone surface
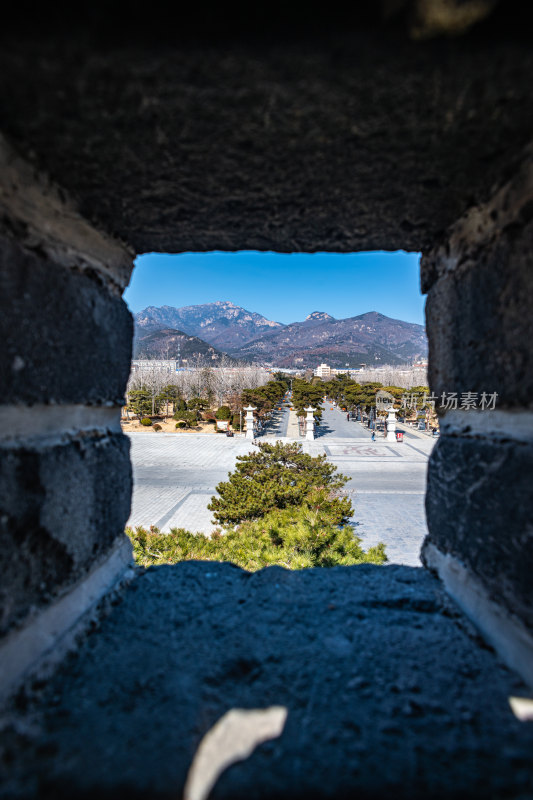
43	218
265	130
61	508
478	507
65	337
479	321
388	692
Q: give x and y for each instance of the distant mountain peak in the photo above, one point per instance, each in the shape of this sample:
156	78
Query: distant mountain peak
172	343
319	315
248	335
222	323
371	337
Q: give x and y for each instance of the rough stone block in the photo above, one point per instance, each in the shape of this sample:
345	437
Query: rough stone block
478	507
388	696
354	140
479	322
61	508
65	337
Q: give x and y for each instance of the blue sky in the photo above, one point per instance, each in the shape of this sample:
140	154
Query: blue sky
283	287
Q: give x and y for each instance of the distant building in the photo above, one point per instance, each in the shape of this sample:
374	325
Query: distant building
153	365
324	371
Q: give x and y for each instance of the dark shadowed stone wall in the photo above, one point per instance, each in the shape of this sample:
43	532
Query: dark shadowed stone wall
480	328
392	125
480	286
65	476
62	507
65	337
270	130
478	506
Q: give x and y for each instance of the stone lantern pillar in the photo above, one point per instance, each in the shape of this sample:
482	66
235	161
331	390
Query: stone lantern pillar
391	425
309	423
250	422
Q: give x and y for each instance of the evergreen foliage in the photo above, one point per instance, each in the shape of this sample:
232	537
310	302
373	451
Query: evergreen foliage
304	394
190	418
297	537
224	412
168	394
143	402
264	398
198	403
180	406
275	476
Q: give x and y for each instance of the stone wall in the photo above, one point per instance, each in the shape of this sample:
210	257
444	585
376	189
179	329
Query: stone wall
378	129
317	131
65	477
480	328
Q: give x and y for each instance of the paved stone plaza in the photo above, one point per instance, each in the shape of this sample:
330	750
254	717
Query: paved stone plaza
176	474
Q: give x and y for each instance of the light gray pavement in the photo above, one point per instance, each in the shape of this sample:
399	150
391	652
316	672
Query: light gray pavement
387	484
293	431
279	423
413	433
335	425
176	474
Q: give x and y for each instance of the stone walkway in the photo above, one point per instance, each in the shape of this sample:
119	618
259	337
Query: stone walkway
176	475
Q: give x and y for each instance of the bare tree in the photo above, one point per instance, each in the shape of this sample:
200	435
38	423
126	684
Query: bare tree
405	376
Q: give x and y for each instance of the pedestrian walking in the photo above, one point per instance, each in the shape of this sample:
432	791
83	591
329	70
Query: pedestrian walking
373	436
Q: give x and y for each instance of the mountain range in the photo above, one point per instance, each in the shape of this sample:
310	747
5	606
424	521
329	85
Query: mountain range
222	324
175	344
370	338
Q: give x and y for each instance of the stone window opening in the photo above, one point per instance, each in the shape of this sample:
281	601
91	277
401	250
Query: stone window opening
412	130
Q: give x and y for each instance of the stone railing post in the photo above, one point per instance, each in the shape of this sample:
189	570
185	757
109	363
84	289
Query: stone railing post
309	423
250	422
391	425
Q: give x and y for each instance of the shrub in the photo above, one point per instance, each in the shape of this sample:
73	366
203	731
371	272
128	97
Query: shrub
296	538
179	408
210	421
188	417
181	424
224	412
235	422
157	427
146	421
273	477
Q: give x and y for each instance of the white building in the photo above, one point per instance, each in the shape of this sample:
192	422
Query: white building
153	365
323	371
